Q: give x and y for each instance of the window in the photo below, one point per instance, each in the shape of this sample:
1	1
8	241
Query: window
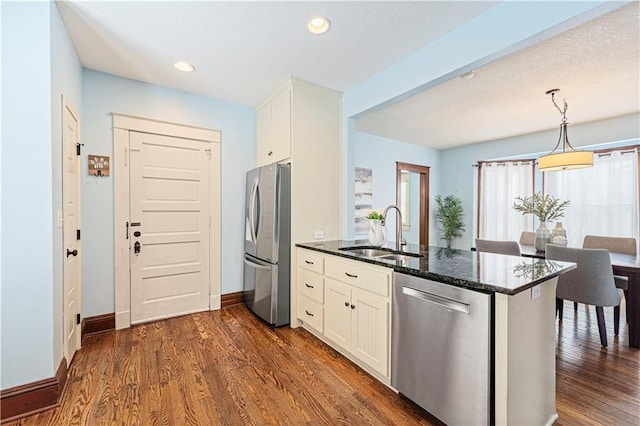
500	182
604	198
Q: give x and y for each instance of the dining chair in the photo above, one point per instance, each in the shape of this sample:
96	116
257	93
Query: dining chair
528	238
626	245
501	247
591	283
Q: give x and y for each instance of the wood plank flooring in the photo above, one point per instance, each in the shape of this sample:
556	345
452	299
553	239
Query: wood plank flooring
228	367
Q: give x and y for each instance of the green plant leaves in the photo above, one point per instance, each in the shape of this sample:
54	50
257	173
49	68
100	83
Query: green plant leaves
544	207
450	214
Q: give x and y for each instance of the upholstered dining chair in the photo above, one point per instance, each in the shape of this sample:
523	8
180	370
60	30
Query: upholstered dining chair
528	238
501	247
626	245
591	283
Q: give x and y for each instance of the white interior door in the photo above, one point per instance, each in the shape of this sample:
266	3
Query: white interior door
71	229
169	226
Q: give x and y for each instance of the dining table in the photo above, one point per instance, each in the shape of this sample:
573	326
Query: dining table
627	265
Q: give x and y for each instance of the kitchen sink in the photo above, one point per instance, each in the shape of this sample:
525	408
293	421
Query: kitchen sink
401	257
380	253
367	252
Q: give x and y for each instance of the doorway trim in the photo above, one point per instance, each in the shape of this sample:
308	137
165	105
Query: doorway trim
424	196
122	125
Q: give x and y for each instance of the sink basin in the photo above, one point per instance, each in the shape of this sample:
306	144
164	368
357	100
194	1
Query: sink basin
380	253
401	257
368	252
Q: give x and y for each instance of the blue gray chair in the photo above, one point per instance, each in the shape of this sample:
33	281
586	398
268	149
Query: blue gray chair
501	247
591	283
626	245
528	238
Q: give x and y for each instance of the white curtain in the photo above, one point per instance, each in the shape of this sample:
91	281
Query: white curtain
604	198
500	184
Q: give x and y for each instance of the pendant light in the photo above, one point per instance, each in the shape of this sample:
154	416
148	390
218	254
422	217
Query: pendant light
568	158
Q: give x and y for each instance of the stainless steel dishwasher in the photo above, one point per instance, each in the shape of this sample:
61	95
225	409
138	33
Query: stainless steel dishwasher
441	349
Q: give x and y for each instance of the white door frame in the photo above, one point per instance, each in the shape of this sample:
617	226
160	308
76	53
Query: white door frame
69	318
122	125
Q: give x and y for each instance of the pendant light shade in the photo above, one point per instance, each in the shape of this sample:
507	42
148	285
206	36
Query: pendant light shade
567	158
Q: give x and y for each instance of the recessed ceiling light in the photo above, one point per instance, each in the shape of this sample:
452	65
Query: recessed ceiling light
319	25
469	75
184	66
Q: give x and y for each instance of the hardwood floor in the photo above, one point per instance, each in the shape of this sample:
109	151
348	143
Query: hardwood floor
227	367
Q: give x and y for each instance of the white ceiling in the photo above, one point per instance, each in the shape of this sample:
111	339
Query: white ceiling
243	50
596	66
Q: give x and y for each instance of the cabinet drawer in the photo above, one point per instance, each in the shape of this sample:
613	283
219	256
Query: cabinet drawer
367	278
311	285
311	261
311	313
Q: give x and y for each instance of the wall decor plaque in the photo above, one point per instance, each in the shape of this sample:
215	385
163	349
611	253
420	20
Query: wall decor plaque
98	165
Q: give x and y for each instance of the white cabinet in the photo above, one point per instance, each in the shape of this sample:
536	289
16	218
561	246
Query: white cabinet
357	317
300	124
347	304
273	128
311	289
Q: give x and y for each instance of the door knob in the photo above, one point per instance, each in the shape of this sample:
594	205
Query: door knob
73	252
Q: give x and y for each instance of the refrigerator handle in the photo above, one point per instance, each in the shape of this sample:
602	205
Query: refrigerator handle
256	265
252	210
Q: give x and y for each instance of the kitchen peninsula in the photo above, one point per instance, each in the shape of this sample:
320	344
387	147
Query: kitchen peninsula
468	336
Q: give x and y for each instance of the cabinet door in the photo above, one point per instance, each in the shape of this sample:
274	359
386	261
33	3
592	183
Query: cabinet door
370	330
280	147
263	135
337	318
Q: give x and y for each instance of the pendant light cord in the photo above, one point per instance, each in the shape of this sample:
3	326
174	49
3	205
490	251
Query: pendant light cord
562	111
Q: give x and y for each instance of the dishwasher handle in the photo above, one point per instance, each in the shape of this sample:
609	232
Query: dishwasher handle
437	300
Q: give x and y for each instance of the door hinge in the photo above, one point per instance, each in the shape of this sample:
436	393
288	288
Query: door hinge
77	318
78	145
77	234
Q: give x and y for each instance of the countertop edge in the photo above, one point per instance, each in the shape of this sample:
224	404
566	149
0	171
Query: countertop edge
450	280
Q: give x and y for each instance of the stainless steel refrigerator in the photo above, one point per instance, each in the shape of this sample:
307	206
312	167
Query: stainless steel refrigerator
267	243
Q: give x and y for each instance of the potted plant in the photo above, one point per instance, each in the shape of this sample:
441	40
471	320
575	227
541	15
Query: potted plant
377	235
545	208
449	214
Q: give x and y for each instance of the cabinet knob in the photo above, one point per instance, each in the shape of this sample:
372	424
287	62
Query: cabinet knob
308	313
353	306
346	304
270	153
308	286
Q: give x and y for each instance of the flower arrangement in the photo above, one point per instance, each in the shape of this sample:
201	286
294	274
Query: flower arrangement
545	207
375	214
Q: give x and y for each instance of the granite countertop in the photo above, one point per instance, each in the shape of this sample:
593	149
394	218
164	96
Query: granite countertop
486	272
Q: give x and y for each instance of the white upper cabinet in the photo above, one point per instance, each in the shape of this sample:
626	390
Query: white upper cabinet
273	128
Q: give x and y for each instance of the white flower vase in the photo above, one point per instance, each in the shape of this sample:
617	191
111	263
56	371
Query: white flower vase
377	235
559	235
543	237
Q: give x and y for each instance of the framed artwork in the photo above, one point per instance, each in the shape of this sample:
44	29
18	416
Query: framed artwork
363	199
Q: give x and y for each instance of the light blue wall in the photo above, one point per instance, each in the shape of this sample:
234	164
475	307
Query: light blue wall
381	154
503	29
103	94
459	177
27	242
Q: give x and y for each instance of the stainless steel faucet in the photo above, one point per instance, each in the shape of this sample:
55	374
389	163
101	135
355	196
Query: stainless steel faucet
400	241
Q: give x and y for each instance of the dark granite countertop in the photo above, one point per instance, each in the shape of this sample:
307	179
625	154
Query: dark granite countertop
486	272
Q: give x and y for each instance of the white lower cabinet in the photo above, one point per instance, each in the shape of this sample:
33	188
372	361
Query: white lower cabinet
353	312
358	321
